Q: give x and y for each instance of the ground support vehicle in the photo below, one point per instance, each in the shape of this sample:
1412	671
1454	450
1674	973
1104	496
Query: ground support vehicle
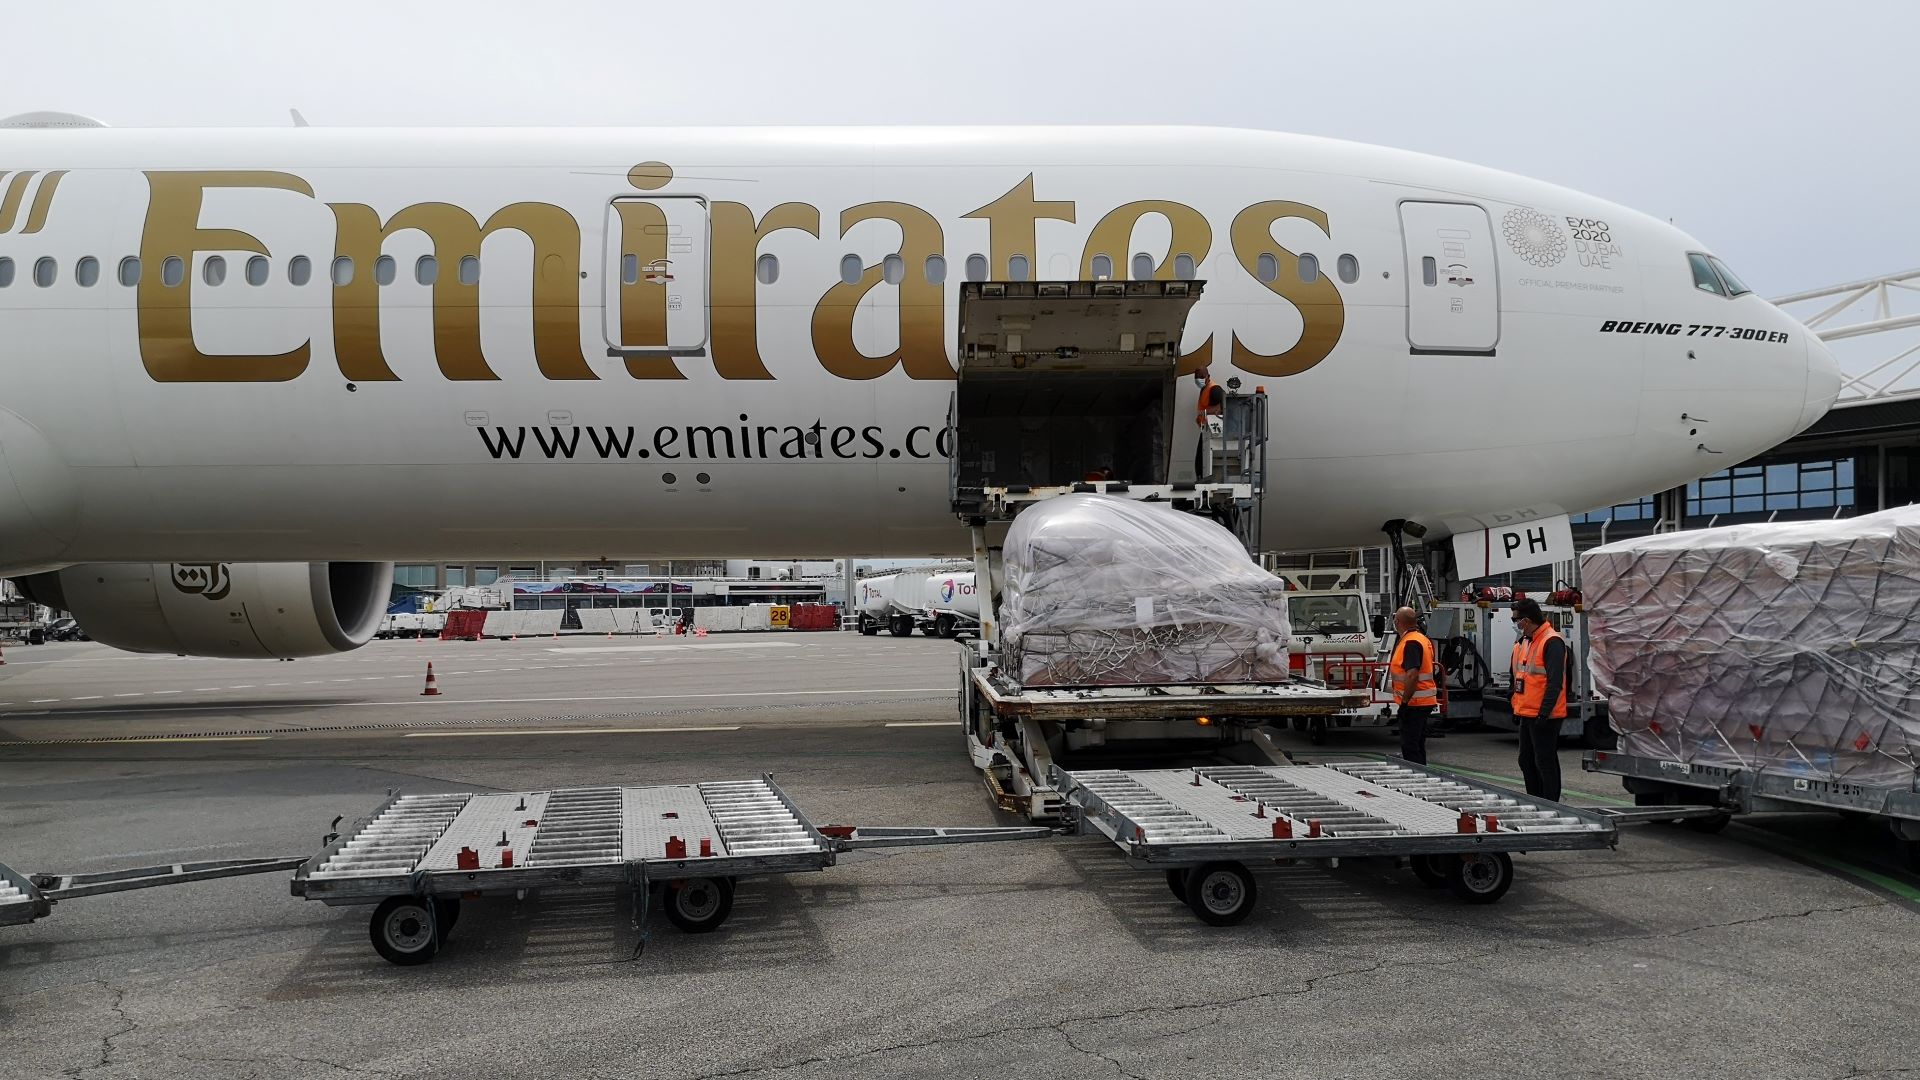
1015	734
682	845
1478	636
1069	388
1730	791
23	622
1206	828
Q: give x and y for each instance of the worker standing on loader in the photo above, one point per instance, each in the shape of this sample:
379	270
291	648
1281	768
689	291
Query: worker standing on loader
1416	691
1212	402
1540	698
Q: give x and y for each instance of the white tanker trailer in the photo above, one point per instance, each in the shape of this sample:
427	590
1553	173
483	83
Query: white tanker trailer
938	603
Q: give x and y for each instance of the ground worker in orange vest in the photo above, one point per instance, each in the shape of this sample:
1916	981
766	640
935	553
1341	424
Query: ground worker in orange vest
1416	692
1212	402
1540	681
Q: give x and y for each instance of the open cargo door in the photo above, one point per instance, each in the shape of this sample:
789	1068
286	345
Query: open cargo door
1059	379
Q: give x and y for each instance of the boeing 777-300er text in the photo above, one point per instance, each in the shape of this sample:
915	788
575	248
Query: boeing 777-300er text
245	370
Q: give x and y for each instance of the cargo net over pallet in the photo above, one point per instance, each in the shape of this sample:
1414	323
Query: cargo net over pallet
1791	648
1109	592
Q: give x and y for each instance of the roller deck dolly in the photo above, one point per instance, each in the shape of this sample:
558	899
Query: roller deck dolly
1206	826
416	856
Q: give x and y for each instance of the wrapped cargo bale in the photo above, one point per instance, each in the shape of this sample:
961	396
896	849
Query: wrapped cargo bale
1790	647
1109	592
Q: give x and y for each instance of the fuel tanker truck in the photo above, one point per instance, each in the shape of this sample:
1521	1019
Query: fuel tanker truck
938	603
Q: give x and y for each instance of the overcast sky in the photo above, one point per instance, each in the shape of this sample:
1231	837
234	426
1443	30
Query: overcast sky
1780	134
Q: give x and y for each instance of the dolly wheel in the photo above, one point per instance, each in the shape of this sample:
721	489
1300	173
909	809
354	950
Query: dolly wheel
1431	870
404	930
1710	824
1221	893
1480	878
699	905
1177	881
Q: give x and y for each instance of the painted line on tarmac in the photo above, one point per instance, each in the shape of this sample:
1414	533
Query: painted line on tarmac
563	731
1869	878
923	723
451	700
177	738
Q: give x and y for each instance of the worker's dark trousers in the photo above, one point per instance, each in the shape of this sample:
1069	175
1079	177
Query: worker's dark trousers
1413	732
1540	755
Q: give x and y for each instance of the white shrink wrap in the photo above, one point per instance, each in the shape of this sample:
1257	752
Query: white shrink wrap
1102	591
1789	647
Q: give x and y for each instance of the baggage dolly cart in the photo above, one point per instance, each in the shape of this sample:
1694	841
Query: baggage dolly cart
1205	826
416	856
1730	790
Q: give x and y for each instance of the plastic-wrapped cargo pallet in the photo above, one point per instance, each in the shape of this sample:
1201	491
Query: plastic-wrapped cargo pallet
1110	592
1791	647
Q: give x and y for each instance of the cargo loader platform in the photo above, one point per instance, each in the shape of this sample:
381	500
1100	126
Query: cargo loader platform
1206	826
416	856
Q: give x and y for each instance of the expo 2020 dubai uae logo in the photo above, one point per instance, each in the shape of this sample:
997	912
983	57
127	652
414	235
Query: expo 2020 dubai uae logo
1534	237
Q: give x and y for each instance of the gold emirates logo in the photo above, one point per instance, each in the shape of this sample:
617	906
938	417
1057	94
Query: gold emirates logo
172	230
211	580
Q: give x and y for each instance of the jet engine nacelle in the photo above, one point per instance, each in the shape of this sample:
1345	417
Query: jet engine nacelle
240	610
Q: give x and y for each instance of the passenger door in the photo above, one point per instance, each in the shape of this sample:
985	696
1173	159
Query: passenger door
1453	294
656	273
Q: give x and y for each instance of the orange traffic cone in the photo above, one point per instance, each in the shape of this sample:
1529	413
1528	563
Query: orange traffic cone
433	688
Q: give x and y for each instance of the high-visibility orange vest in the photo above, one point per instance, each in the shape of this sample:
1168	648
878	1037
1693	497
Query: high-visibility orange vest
1207	394
1425	690
1530	679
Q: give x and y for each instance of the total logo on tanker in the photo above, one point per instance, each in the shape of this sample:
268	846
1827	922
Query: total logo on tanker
950	587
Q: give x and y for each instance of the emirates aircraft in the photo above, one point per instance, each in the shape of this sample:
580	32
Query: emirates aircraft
246	370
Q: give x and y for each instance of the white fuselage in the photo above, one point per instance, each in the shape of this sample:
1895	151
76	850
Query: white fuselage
460	400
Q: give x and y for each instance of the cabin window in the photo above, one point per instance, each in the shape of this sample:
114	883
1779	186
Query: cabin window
1704	278
1349	269
87	272
1018	269
1183	267
629	269
299	270
257	270
766	269
1102	267
1309	268
1735	287
469	269
173	271
130	271
1142	267
214	270
426	270
383	270
1429	271
1266	267
45	272
343	270
893	269
851	268
976	268
6	273
936	270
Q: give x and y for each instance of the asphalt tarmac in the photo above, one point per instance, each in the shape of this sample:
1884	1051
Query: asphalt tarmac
1782	947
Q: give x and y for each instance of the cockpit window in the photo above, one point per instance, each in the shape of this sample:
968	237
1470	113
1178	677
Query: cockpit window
1704	278
1735	287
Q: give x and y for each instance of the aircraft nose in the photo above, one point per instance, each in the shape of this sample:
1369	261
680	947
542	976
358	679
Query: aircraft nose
1823	381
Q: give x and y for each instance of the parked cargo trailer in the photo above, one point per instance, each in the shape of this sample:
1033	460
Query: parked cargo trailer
1765	667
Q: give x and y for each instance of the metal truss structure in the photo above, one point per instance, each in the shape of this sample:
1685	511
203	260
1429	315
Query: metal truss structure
1873	327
